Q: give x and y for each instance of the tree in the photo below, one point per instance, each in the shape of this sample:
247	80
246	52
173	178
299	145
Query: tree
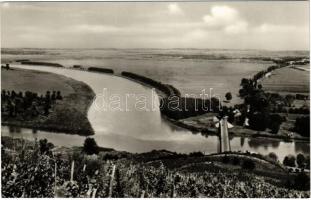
275	123
90	146
273	156
289	99
302	126
301	160
307	162
289	161
258	121
228	96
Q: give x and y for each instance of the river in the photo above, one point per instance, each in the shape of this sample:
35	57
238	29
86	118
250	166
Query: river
135	130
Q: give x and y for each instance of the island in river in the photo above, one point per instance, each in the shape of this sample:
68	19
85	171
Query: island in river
68	115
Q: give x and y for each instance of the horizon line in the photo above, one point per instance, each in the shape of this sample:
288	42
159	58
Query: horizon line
236	49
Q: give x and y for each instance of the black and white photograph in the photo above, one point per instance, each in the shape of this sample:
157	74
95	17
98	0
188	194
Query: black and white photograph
155	99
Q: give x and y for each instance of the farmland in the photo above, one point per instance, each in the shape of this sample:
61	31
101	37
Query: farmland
288	80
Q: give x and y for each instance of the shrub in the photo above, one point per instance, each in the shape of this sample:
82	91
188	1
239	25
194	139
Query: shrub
45	146
90	147
196	154
228	96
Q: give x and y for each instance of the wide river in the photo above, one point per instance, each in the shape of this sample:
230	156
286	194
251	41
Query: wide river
136	130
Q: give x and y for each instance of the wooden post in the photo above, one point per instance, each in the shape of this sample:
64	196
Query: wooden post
94	192
72	170
111	181
55	169
142	194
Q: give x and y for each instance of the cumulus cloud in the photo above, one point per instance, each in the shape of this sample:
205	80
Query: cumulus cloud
175	9
226	18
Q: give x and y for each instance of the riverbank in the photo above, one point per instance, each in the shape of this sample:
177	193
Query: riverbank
68	115
200	123
152	174
191	123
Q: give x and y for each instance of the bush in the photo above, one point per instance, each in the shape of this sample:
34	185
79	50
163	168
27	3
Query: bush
248	164
196	154
289	161
45	146
228	96
90	147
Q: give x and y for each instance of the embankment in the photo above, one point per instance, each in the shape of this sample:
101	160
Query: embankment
168	90
41	63
101	70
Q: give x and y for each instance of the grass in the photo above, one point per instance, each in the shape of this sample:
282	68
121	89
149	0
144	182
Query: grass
68	115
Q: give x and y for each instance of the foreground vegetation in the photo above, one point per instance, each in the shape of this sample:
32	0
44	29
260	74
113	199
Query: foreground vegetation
38	169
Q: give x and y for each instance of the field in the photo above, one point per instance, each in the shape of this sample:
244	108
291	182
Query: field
39	82
68	115
288	80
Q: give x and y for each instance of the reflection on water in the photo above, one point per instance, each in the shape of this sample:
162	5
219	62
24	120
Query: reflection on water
258	142
184	145
242	141
140	131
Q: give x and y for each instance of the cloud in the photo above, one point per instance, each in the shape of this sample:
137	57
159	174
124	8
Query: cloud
226	18
175	9
236	28
271	28
5	5
87	28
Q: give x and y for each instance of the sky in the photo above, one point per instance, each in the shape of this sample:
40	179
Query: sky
226	25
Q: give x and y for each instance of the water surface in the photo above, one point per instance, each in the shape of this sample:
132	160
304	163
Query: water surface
140	131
